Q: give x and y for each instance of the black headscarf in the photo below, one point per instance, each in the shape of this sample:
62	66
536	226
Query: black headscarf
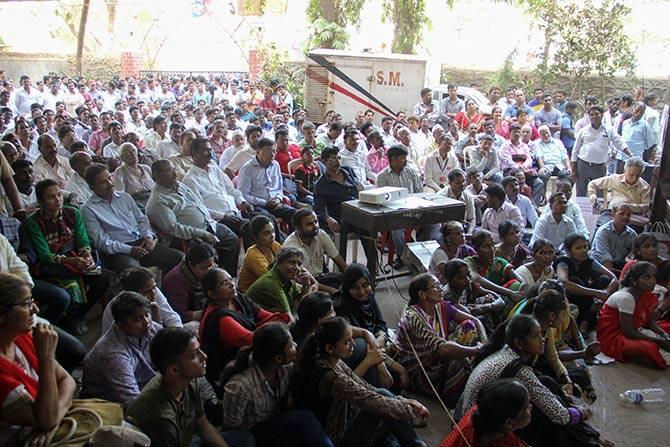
364	314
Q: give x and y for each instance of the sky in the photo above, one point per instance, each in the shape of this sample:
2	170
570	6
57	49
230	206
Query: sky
474	34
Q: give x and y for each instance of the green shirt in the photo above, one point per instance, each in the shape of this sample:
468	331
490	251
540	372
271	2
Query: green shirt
273	294
166	421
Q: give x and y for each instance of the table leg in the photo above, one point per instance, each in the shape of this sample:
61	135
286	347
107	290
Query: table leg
344	239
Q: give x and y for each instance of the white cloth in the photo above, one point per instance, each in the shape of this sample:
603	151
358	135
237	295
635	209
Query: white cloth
321	246
215	189
623	301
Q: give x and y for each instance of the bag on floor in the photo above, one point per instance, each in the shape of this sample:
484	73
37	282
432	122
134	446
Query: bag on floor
83	419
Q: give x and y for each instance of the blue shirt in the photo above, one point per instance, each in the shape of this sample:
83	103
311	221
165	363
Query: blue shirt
112	226
512	110
552	117
567	124
260	184
610	246
638	136
527	209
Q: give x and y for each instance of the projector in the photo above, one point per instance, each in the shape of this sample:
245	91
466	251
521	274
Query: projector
384	195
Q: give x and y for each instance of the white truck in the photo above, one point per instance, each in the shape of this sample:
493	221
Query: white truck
347	82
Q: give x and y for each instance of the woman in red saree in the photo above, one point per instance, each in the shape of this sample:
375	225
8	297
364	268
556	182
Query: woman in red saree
627	328
503	406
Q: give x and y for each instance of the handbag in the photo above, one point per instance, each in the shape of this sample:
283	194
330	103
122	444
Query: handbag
83	419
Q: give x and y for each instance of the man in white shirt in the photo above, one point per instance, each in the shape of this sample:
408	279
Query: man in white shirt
168	148
591	152
25	97
353	154
316	244
554	226
111	150
498	211
157	134
456	190
253	134
49	164
216	190
79	161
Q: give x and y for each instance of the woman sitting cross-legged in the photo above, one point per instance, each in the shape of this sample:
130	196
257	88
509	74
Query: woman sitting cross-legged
508	354
368	359
510	247
182	283
256	393
568	342
627	328
228	321
493	272
281	288
442	336
59	238
503	406
452	246
35	391
465	294
588	283
645	248
353	412
262	254
539	269
358	304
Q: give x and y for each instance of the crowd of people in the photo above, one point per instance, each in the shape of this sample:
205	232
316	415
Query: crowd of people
201	214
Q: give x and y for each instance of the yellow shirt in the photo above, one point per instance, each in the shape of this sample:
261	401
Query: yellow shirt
254	265
638	196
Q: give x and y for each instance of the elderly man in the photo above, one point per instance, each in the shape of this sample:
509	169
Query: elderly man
590	154
628	188
260	182
554	225
552	157
119	230
217	192
50	165
353	155
638	136
614	241
253	134
179	213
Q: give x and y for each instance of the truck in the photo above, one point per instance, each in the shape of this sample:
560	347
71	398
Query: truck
347	82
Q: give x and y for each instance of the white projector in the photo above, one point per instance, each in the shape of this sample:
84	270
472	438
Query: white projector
384	195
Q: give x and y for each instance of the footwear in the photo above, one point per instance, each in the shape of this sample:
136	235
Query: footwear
397	263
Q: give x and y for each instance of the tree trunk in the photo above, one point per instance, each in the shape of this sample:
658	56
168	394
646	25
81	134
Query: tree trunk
81	33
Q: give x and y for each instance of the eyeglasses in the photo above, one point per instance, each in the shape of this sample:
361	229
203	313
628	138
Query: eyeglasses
28	303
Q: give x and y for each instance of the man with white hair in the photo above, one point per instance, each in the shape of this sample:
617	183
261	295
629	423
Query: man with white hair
237	137
627	188
552	157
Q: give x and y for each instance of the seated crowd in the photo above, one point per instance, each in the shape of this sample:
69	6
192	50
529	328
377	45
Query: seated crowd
200	215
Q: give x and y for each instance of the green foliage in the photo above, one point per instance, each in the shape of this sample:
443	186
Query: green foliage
325	34
506	76
409	19
329	20
583	38
275	66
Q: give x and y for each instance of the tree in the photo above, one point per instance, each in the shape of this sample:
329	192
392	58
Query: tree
582	39
409	20
329	20
81	33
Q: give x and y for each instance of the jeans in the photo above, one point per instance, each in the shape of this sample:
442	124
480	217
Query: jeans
55	300
294	428
365	428
234	438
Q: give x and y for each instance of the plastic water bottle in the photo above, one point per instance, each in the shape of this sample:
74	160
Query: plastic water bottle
646	395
